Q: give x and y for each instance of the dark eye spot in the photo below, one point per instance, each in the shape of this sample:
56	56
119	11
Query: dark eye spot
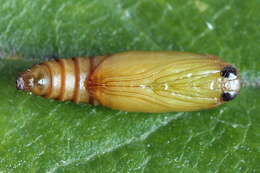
227	71
226	96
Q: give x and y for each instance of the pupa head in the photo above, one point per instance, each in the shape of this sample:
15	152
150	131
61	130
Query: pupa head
231	83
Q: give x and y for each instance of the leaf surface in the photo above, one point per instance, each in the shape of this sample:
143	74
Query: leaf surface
40	135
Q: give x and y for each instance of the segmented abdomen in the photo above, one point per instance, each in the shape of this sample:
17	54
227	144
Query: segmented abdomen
61	79
67	79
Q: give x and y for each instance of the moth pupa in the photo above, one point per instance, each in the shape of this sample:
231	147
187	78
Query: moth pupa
136	81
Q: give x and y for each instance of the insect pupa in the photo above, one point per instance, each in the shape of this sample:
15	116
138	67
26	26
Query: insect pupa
136	81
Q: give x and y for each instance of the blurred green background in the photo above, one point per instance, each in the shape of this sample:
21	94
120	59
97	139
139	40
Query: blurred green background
40	135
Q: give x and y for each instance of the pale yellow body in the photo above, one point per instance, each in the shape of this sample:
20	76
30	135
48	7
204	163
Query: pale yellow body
158	81
136	81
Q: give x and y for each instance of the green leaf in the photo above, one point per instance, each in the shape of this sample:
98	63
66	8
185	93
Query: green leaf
41	135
